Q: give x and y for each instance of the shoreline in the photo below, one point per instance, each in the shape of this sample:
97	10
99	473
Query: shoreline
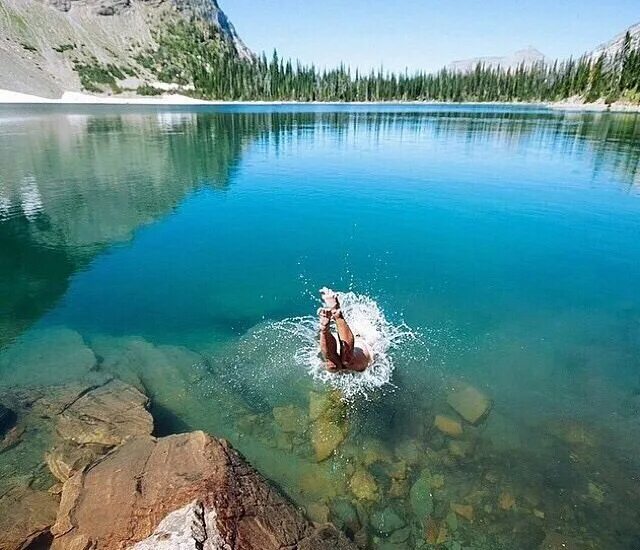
8	97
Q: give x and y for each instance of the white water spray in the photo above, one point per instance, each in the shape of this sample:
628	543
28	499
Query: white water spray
366	319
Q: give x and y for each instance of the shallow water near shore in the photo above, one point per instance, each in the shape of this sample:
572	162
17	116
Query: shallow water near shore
168	246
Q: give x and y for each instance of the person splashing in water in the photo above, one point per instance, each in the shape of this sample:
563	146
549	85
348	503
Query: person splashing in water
344	351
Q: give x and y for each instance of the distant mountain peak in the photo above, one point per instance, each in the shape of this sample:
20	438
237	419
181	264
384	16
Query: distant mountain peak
529	50
529	55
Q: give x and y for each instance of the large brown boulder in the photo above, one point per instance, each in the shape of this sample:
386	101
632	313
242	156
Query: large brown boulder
182	491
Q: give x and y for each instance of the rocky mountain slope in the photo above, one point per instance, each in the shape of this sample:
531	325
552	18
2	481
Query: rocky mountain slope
47	48
528	56
615	45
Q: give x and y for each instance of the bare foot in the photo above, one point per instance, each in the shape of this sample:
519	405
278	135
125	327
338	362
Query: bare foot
325	317
330	299
331	367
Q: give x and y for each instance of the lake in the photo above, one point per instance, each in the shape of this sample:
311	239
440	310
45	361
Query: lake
170	246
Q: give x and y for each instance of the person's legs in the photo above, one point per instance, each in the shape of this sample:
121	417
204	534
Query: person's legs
347	339
346	336
328	344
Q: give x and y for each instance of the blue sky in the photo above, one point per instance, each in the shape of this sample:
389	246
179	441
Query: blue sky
425	34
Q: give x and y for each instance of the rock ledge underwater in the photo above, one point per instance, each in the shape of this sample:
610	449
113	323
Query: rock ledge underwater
119	487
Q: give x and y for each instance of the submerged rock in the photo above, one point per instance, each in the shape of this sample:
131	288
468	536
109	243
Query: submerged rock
386	521
506	501
448	426
431	531
451	519
398	489
463	510
318	512
420	496
37	410
572	432
361	538
437	481
400	536
101	418
66	458
329	428
460	449
556	541
318	484
398	470
106	415
326	405
436	531
469	402
8	420
344	515
12	438
596	493
188	489
290	419
10	434
326	438
25	516
46	356
409	451
373	450
363	485
165	373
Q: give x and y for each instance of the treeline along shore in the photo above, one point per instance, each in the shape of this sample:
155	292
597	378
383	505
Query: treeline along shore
191	53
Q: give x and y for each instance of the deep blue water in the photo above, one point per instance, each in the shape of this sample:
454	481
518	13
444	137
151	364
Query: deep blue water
508	238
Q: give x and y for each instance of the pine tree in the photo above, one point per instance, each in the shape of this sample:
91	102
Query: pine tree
189	52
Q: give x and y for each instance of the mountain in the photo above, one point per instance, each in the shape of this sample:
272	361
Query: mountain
531	56
528	56
615	45
51	46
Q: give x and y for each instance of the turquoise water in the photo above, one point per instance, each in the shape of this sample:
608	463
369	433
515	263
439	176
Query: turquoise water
169	241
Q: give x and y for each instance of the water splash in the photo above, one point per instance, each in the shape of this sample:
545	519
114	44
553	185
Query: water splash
366	318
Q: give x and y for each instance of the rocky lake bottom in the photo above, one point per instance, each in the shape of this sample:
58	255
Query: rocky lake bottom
456	472
151	260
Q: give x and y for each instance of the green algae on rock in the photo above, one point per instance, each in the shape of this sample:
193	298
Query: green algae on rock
420	496
386	521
